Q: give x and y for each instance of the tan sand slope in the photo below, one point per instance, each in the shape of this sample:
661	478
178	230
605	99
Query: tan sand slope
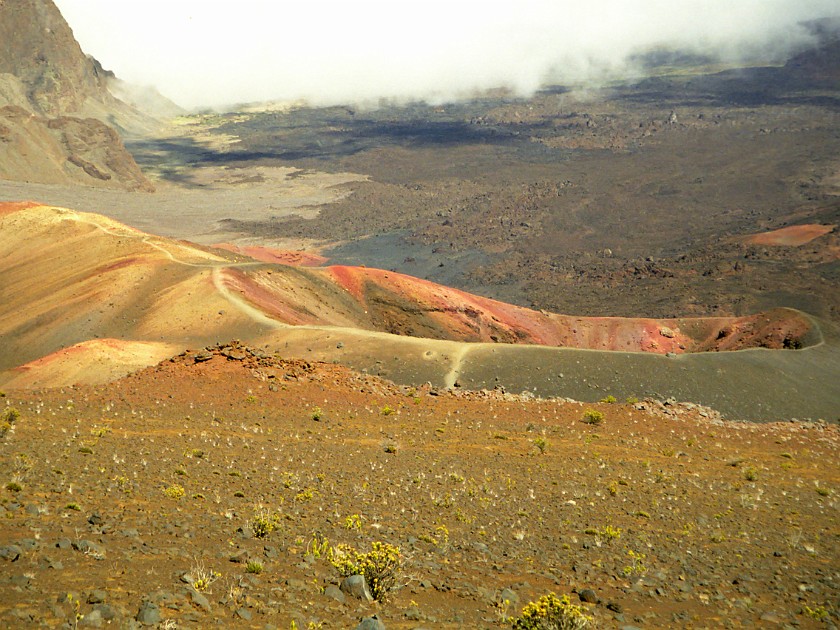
89	363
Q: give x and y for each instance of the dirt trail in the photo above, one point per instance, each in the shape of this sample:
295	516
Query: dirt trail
242	305
457	359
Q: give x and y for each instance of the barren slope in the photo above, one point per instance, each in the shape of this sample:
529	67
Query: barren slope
115	493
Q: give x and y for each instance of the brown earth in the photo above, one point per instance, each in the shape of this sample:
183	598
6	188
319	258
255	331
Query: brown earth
673	518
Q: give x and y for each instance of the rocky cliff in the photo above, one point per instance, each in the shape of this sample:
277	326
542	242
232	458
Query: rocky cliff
56	109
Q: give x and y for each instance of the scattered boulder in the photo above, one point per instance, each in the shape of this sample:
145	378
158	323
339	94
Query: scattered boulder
149	614
199	600
96	597
356	586
88	547
334	592
371	623
10	552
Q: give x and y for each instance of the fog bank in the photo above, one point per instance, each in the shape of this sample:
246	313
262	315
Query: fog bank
209	53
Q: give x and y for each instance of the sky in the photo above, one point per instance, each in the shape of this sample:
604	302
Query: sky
209	53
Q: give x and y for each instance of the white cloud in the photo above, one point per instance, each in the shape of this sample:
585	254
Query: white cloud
203	52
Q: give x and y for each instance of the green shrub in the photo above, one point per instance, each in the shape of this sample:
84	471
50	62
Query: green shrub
9	416
552	613
174	491
591	416
380	566
264	522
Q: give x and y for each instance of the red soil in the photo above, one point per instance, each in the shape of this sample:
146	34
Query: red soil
8	207
791	236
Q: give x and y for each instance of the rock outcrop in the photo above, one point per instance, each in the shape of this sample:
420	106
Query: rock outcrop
56	109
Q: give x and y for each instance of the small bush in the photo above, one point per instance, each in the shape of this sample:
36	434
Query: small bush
354	521
542	444
174	491
552	613
203	578
380	566
610	533
8	417
591	416
254	567
264	522
608	399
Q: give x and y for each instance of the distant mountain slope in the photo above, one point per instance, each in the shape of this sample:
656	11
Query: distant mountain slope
65	150
41	60
45	74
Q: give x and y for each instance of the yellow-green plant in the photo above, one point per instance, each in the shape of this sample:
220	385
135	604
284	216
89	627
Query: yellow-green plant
318	547
354	521
203	578
550	612
819	613
174	491
380	566
610	533
264	522
637	564
591	416
8	418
